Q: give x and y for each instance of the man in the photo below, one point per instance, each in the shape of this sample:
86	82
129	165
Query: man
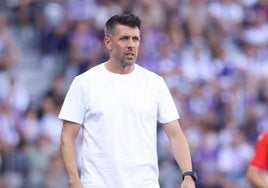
257	171
117	104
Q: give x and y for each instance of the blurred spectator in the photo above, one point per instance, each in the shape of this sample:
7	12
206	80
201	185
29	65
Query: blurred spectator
238	148
126	5
84	45
24	10
29	127
106	9
151	12
213	54
18	96
38	156
228	15
195	16
81	9
207	157
52	35
8	50
8	135
49	123
174	30
256	32
55	175
196	64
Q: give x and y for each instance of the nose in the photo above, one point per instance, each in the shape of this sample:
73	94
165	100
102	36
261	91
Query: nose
131	43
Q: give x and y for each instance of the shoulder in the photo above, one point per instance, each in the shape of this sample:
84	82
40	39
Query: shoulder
94	71
150	78
147	73
263	137
264	134
87	78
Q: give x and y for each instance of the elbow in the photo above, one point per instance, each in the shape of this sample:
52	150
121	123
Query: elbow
62	142
68	135
65	141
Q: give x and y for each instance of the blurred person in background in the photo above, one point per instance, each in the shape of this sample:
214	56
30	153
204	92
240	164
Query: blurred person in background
39	155
204	106
55	175
257	172
52	32
117	104
49	108
84	45
9	53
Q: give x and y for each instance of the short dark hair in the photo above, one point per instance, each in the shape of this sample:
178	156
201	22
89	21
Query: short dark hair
124	19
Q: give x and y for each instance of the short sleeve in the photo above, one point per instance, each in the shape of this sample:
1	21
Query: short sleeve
166	108
260	157
73	108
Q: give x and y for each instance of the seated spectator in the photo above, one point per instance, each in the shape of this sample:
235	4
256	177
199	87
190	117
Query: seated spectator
8	50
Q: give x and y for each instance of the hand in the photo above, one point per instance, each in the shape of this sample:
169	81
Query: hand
188	182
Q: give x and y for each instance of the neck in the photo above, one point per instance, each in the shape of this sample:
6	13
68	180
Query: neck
117	68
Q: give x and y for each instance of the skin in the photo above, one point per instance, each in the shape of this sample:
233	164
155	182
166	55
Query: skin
255	177
69	133
180	150
123	47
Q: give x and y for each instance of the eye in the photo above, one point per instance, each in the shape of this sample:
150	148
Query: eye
136	39
124	38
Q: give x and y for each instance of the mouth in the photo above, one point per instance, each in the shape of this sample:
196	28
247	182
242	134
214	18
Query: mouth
130	54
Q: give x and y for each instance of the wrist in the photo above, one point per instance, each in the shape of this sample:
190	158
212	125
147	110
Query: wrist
76	184
189	175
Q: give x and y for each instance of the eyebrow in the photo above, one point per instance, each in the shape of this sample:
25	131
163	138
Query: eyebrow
127	36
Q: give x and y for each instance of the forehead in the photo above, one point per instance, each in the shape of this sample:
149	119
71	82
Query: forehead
123	30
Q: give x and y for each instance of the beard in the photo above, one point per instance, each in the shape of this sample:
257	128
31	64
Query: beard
127	61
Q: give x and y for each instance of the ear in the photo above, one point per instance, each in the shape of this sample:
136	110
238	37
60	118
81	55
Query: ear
108	43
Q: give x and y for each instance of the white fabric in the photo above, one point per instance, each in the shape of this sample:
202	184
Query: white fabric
119	114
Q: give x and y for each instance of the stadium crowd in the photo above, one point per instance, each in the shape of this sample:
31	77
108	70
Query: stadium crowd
213	55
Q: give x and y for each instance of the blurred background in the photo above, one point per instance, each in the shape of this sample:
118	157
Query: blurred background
213	55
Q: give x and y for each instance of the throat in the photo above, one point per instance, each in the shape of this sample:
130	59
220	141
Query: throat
119	68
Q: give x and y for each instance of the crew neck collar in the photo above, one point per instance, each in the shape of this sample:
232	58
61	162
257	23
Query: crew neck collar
119	74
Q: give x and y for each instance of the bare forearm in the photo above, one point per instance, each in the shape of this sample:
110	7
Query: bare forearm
179	145
70	161
68	151
181	152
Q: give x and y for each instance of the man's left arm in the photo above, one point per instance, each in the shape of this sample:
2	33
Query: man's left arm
181	151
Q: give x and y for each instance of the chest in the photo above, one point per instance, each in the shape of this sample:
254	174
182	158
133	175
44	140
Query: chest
122	96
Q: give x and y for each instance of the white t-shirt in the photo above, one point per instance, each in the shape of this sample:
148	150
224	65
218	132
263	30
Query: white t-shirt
119	114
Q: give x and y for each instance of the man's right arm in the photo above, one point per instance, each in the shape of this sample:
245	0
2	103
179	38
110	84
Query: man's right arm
69	134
